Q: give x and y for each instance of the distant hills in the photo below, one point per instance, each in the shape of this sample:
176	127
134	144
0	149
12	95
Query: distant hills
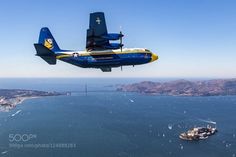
218	87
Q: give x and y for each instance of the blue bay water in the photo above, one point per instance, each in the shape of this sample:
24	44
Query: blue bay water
114	124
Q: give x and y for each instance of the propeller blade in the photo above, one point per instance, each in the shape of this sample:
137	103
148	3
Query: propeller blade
121	41
121	44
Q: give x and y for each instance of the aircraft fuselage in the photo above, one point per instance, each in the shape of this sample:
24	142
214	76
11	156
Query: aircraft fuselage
107	58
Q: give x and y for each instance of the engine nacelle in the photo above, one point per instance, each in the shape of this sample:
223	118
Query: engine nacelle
112	36
113	46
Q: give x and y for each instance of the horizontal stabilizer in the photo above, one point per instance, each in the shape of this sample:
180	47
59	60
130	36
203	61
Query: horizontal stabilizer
45	54
49	60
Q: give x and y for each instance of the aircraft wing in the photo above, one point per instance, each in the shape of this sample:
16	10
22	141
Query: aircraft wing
97	36
97	28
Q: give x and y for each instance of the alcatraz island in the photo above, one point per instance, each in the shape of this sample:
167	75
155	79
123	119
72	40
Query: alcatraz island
9	98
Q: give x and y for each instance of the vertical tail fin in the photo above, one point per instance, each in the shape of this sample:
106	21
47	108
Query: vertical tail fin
47	46
46	39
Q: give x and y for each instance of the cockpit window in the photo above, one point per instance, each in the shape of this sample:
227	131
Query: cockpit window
147	50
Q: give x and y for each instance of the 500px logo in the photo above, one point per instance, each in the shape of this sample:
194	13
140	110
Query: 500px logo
21	137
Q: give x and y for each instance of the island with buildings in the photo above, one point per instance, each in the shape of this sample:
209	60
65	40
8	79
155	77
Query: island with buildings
9	98
217	87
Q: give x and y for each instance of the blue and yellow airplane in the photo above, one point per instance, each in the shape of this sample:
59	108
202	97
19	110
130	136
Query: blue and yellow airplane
100	51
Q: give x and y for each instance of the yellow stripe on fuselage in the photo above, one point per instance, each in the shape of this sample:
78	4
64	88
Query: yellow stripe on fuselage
107	53
96	53
63	56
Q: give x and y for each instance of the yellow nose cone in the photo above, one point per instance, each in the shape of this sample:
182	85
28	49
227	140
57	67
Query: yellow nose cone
154	57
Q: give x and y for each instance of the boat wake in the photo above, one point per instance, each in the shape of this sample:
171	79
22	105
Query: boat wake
207	121
17	112
131	100
4	152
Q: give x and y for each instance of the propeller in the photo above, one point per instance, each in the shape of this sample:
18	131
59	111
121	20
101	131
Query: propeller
121	36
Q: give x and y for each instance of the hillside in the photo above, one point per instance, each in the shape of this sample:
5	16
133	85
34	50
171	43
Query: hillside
184	87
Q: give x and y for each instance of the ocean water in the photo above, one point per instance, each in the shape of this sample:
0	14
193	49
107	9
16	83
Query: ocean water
113	124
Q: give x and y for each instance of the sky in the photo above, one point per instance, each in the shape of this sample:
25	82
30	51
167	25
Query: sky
193	38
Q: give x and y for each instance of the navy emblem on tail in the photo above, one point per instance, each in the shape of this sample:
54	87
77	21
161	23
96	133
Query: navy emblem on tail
48	43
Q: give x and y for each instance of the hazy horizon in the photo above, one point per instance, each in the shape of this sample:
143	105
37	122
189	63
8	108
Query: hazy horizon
84	77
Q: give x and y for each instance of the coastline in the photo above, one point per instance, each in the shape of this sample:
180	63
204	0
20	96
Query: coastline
10	98
13	102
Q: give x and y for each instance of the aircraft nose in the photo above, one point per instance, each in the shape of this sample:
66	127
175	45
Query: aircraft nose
154	57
